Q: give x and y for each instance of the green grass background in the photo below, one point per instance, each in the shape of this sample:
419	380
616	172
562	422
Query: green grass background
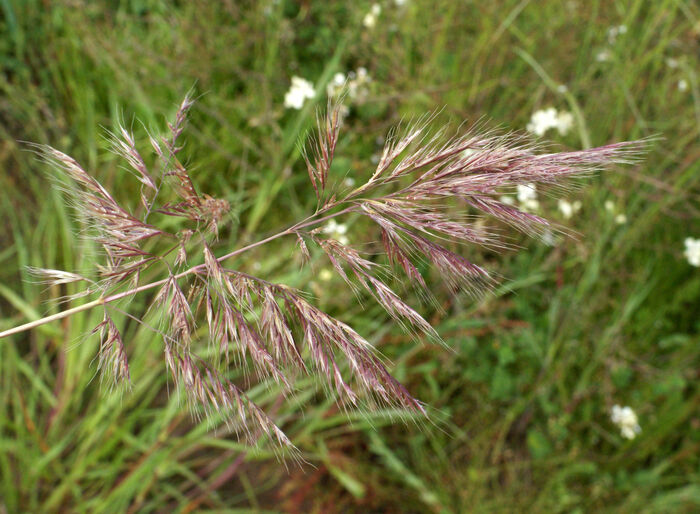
520	409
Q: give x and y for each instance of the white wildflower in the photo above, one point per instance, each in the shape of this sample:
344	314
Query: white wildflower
335	86
562	88
355	85
527	197
325	275
349	182
612	35
508	200
565	121
400	3
672	63
531	205
626	419
604	55
692	251
358	87
613	32
337	231
620	217
298	93
542	120
370	19
546	119
568	209
682	85
526	192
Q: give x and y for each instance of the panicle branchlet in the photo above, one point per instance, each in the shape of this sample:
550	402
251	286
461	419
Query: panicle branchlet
112	360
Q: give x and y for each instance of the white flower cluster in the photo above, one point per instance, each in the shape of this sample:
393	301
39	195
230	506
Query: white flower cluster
673	64
527	200
606	54
615	31
527	197
626	419
300	90
620	217
337	231
546	119
355	85
370	19
568	209
692	251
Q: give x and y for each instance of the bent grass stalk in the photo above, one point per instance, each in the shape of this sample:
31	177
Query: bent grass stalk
409	198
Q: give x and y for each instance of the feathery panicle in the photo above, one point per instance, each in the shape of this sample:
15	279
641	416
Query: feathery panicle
117	230
173	301
112	356
396	145
184	237
278	333
402	242
427	192
192	205
325	334
55	276
323	147
337	252
178	125
387	298
215	272
125	146
303	249
206	388
117	227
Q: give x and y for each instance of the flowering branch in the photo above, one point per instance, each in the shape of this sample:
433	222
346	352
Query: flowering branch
410	197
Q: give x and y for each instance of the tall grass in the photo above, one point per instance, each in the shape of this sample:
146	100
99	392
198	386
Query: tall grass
521	406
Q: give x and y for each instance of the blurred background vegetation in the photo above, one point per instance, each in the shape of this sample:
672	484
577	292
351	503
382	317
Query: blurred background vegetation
520	409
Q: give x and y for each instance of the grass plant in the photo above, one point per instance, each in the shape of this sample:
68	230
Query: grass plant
521	407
